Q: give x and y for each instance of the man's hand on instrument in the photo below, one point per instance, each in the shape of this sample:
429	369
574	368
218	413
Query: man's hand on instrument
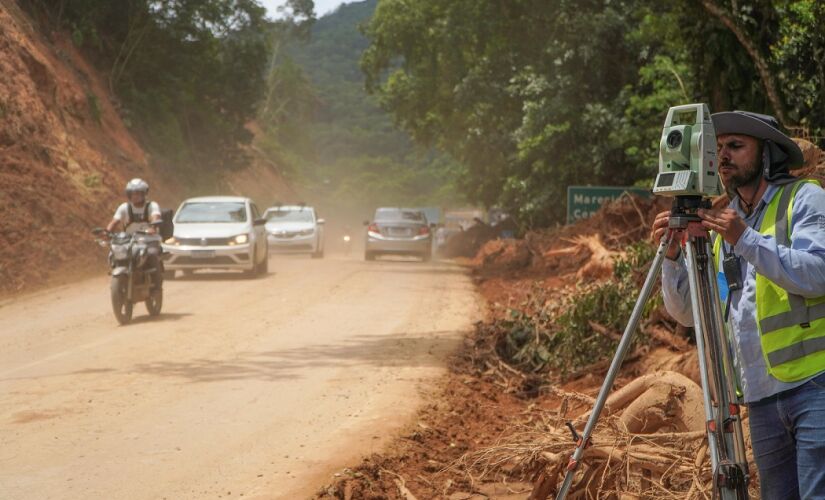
660	226
725	222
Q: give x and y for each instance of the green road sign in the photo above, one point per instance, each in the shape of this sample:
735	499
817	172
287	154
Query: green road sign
584	201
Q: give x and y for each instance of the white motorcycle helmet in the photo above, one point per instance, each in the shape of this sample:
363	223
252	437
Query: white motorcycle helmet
137	185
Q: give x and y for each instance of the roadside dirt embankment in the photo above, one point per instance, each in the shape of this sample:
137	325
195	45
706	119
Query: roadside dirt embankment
65	155
558	300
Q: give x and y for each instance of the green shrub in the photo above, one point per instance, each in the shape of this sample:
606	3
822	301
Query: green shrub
92	181
544	334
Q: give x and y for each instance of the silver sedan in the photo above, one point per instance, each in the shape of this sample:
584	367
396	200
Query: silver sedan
398	231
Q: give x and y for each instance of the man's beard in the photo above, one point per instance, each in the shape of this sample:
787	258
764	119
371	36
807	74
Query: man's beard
745	176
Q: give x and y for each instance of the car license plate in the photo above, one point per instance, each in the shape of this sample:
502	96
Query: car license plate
400	232
203	254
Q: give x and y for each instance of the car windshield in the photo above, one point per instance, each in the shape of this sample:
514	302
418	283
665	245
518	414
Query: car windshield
288	216
397	214
218	211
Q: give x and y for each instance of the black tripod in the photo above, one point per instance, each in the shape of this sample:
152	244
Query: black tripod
726	443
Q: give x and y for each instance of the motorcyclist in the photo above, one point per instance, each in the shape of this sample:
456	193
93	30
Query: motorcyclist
138	214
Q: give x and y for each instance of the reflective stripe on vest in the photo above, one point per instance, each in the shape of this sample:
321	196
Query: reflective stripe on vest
791	327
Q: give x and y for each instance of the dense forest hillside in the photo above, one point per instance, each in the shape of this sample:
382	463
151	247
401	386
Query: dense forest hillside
347	149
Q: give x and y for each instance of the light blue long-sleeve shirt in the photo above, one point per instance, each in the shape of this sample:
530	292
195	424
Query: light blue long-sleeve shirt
799	269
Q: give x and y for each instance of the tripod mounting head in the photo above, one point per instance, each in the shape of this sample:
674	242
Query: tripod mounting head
687	154
684	210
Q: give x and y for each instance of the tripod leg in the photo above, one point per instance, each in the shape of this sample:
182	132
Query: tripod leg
616	364
699	314
725	443
731	436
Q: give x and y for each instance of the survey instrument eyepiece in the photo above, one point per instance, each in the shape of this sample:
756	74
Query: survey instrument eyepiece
687	154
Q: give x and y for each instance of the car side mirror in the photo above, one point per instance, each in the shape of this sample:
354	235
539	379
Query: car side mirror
259	222
320	222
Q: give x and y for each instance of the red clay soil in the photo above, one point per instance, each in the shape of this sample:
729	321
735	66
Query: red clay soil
483	403
506	270
481	400
479	405
470	411
65	155
814	157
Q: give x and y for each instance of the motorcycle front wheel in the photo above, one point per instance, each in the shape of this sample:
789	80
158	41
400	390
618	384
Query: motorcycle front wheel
120	304
154	302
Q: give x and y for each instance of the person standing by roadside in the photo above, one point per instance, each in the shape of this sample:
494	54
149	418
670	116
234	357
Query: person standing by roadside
774	227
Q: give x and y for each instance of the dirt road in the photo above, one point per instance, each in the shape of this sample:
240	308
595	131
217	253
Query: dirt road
254	388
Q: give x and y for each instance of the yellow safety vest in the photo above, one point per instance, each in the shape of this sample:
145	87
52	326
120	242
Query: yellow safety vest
791	327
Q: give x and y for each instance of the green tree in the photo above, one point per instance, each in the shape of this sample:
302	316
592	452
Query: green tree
523	93
532	96
190	73
340	145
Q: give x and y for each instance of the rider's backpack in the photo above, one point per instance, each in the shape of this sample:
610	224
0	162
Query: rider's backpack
167	227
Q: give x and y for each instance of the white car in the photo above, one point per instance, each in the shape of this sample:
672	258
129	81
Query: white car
295	229
218	232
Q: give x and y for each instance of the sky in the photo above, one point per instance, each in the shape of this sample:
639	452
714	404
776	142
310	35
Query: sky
321	6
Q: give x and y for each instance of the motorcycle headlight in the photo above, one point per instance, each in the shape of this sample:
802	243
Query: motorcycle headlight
172	241
120	252
241	239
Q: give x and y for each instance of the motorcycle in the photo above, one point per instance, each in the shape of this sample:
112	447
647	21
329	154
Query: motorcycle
135	276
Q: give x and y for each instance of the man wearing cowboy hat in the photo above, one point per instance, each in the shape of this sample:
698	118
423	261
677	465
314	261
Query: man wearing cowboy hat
774	227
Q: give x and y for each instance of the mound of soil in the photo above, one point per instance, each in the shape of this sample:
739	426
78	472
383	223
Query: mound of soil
559	257
504	256
814	157
564	250
468	242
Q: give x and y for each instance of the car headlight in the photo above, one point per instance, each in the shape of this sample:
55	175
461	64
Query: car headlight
241	239
306	232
